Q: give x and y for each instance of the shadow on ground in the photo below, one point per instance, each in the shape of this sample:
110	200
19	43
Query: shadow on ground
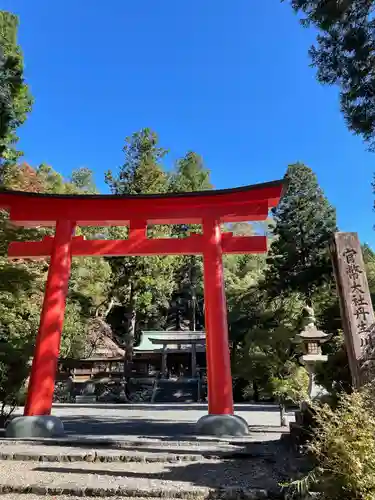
144	427
116	433
164	429
107	427
252	472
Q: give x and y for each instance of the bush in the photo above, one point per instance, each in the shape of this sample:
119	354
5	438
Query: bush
14	370
334	375
63	391
343	450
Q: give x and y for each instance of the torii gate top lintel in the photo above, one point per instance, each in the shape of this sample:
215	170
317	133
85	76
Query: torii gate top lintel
228	205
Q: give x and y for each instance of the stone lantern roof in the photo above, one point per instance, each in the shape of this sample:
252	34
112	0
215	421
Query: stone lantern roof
312	338
310	333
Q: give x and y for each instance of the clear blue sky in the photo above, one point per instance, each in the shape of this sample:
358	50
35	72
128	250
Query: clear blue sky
227	79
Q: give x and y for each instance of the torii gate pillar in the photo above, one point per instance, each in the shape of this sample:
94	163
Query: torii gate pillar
220	418
220	399
47	345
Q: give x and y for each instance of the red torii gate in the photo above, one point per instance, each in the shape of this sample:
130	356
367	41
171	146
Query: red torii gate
65	212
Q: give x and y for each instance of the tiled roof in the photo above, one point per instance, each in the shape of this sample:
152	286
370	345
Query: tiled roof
152	341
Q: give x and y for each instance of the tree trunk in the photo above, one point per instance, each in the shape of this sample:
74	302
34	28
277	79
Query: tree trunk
255	391
99	312
130	335
193	293
282	410
234	352
129	341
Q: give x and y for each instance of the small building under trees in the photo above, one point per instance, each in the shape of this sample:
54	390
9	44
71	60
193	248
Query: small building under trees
168	353
172	353
106	360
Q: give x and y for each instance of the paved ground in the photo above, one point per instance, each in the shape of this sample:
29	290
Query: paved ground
169	420
148	451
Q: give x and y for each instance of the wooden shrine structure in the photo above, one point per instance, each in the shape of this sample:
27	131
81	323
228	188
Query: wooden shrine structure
170	350
65	212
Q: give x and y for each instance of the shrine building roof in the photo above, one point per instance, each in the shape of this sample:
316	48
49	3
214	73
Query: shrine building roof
175	341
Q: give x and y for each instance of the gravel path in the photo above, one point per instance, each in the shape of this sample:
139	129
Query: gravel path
167	478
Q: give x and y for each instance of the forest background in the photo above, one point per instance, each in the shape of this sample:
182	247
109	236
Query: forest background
265	294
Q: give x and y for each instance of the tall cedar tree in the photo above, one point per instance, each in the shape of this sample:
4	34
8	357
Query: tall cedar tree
191	174
299	259
10	82
345	56
186	309
15	99
141	172
143	285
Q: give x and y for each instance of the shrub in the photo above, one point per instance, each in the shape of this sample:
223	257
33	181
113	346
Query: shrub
14	370
343	450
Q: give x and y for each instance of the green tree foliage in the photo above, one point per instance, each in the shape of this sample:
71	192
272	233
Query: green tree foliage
20	301
90	276
304	222
369	260
264	297
82	180
186	307
267	356
344	55
242	272
15	99
334	375
243	275
142	285
190	175
22	285
141	172
10	82
265	313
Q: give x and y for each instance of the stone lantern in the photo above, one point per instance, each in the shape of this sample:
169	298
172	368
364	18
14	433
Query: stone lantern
312	340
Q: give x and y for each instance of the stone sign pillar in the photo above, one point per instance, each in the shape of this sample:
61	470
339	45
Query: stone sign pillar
355	301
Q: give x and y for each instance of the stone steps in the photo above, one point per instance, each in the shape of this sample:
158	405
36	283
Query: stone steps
145	452
141	469
127	457
85	398
31	496
176	391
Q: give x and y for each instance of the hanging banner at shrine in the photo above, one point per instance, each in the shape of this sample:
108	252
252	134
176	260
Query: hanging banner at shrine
357	313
